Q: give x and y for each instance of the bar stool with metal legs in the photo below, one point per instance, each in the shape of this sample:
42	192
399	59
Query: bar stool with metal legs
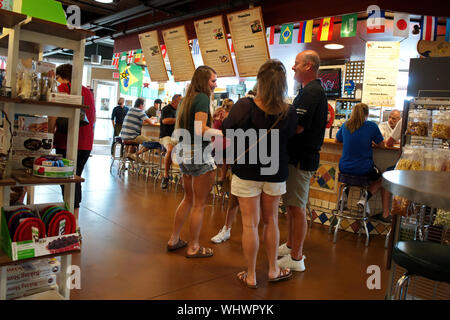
129	147
117	144
151	167
343	212
159	173
420	258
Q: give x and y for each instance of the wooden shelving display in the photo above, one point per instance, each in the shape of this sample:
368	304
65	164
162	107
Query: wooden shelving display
24	34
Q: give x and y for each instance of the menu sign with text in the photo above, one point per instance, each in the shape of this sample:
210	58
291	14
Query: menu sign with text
214	46
249	40
380	73
180	56
153	56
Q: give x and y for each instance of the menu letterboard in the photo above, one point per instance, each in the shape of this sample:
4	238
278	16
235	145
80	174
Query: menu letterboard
153	56
249	40
179	53
380	73
214	46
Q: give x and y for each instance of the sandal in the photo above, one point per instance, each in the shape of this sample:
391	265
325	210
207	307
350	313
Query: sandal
242	276
284	274
180	244
202	252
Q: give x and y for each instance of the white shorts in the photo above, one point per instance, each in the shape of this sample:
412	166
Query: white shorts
250	188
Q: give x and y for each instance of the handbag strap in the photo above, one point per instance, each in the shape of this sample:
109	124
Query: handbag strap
254	144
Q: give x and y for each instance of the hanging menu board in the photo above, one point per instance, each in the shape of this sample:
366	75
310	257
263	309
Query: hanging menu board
249	40
380	73
214	46
153	56
180	56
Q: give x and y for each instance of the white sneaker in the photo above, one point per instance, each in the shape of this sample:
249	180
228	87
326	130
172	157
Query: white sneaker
223	235
360	204
283	250
288	262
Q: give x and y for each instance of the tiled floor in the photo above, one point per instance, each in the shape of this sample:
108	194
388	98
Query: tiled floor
126	224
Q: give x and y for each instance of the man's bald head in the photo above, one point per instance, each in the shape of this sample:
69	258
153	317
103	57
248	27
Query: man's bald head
306	65
394	118
312	57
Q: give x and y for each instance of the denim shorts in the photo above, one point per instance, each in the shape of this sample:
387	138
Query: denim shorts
196	169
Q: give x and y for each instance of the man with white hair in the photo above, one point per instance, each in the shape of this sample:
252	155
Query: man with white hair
387	127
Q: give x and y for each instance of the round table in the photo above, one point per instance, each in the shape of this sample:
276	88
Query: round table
423	187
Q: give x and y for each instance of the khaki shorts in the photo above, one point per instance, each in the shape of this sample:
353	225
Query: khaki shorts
141	139
297	187
250	188
165	141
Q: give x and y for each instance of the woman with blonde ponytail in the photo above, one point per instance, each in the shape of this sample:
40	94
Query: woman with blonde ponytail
358	135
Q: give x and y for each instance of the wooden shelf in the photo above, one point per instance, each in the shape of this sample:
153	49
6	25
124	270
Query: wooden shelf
46	295
57	30
24	178
9	19
7	182
6	261
42	103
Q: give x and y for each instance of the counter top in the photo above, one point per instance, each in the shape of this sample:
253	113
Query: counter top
424	187
332	141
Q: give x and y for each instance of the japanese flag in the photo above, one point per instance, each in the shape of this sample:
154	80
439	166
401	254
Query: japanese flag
401	25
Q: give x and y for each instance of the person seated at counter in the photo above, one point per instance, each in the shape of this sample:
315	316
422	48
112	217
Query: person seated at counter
395	135
357	135
132	126
387	127
168	119
152	111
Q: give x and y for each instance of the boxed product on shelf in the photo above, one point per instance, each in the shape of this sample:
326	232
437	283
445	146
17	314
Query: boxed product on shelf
21	289
45	293
31	123
56	220
6	5
32	141
31	270
53	166
21	159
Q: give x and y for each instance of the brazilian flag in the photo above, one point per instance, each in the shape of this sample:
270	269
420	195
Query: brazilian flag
286	33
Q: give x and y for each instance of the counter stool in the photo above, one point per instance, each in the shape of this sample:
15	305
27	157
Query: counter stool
117	143
129	145
152	167
160	168
425	259
347	182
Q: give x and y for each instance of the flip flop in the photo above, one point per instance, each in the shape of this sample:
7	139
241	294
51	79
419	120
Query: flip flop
242	277
180	244
202	252
284	274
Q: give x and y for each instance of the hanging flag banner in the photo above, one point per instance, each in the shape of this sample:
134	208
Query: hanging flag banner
130	57
305	31
286	33
212	39
376	21
447	31
180	56
249	40
131	78
428	28
153	56
348	25
326	29
115	61
401	24
380	73
270	34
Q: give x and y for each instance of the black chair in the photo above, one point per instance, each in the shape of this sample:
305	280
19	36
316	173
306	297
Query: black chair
425	259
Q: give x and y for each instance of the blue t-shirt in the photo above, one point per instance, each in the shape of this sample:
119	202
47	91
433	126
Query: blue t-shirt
357	151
